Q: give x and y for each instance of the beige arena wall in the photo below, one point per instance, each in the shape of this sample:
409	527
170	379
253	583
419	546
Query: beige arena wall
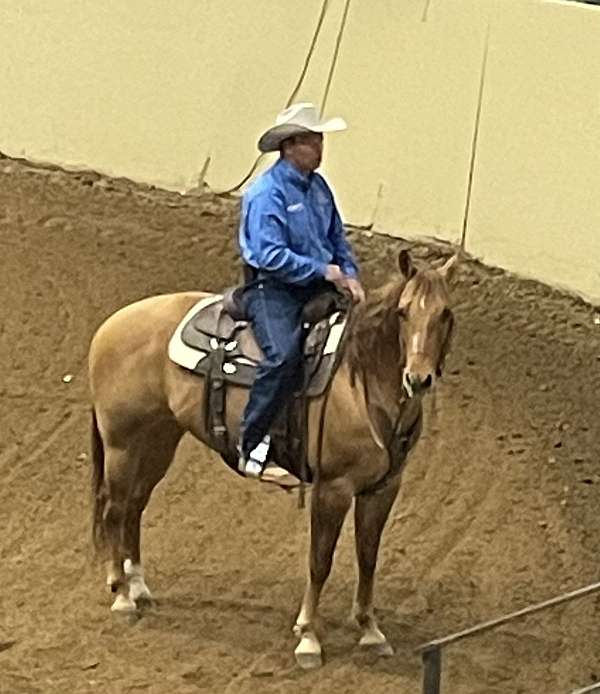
149	89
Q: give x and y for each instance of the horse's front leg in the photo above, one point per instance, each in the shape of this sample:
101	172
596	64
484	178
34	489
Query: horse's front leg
371	514
329	504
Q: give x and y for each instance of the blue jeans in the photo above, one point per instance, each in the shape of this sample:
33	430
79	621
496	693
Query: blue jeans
275	312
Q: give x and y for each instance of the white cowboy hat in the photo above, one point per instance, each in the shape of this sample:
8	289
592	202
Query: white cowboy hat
296	119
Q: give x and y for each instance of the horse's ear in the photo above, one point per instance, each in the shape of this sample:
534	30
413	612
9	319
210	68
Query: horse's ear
449	267
405	264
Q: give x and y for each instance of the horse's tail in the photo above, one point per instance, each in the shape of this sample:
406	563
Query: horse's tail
97	480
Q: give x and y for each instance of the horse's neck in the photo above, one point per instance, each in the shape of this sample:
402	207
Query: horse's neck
383	378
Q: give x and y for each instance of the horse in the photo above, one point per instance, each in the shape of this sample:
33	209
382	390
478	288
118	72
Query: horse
142	404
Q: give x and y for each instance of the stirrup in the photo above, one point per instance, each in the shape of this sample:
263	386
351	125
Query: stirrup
279	476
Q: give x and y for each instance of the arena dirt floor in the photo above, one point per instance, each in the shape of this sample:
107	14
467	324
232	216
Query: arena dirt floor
499	507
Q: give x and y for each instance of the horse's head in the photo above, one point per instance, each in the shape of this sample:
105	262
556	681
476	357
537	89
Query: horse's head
426	322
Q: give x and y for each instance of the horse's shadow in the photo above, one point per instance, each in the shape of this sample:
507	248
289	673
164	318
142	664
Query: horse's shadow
241	624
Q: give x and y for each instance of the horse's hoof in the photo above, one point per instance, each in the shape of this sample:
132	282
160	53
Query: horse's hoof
139	592
376	642
123	605
144	602
309	661
383	650
308	653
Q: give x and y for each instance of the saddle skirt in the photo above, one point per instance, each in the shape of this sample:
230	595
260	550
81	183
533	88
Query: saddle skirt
209	337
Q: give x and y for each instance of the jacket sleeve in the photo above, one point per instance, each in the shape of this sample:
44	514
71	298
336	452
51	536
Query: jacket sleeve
342	252
266	235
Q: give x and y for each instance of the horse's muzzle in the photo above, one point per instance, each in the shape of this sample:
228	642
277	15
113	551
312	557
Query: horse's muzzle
414	384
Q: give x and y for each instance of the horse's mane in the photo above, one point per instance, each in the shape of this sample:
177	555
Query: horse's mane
374	324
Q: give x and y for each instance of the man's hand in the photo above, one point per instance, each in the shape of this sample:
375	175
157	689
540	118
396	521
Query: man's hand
333	273
355	289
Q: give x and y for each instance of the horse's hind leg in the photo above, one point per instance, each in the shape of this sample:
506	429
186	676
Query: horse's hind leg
120	464
155	458
370	515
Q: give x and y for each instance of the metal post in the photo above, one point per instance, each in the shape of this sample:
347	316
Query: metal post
592	688
432	650
492	624
432	670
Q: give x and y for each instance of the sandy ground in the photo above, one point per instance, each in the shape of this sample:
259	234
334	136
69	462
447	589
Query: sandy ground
499	506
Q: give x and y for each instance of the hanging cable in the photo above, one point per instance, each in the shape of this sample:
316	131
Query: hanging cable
426	10
309	54
292	96
335	55
463	238
246	178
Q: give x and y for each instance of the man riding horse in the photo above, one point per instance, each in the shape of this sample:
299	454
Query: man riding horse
293	243
147	390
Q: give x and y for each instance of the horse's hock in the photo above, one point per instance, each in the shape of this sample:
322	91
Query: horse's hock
498	505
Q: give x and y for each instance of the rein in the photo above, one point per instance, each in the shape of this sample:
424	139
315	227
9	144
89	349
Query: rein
340	353
398	443
397	446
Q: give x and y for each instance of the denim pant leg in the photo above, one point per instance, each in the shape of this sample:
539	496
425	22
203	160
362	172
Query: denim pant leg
275	312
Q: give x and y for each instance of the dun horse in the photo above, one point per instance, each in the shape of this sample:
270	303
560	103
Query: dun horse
143	403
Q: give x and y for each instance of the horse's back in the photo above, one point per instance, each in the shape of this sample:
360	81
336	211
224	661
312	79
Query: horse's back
154	313
137	335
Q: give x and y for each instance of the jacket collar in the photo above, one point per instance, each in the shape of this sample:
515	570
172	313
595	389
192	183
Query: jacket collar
290	174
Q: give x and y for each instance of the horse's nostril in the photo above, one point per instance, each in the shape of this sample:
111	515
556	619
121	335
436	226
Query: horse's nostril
415	384
414	380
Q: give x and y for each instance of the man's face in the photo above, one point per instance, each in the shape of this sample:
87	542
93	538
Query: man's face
305	151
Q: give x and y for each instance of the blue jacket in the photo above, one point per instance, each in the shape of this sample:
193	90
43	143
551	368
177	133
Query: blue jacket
290	226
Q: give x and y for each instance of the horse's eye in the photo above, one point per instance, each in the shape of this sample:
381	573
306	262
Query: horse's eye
401	311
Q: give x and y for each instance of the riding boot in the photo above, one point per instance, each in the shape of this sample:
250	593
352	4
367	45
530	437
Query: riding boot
253	463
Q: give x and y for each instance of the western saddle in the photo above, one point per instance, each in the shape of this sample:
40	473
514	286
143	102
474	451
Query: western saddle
228	354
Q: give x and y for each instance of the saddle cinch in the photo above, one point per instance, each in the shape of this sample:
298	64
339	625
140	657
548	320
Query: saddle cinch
220	346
